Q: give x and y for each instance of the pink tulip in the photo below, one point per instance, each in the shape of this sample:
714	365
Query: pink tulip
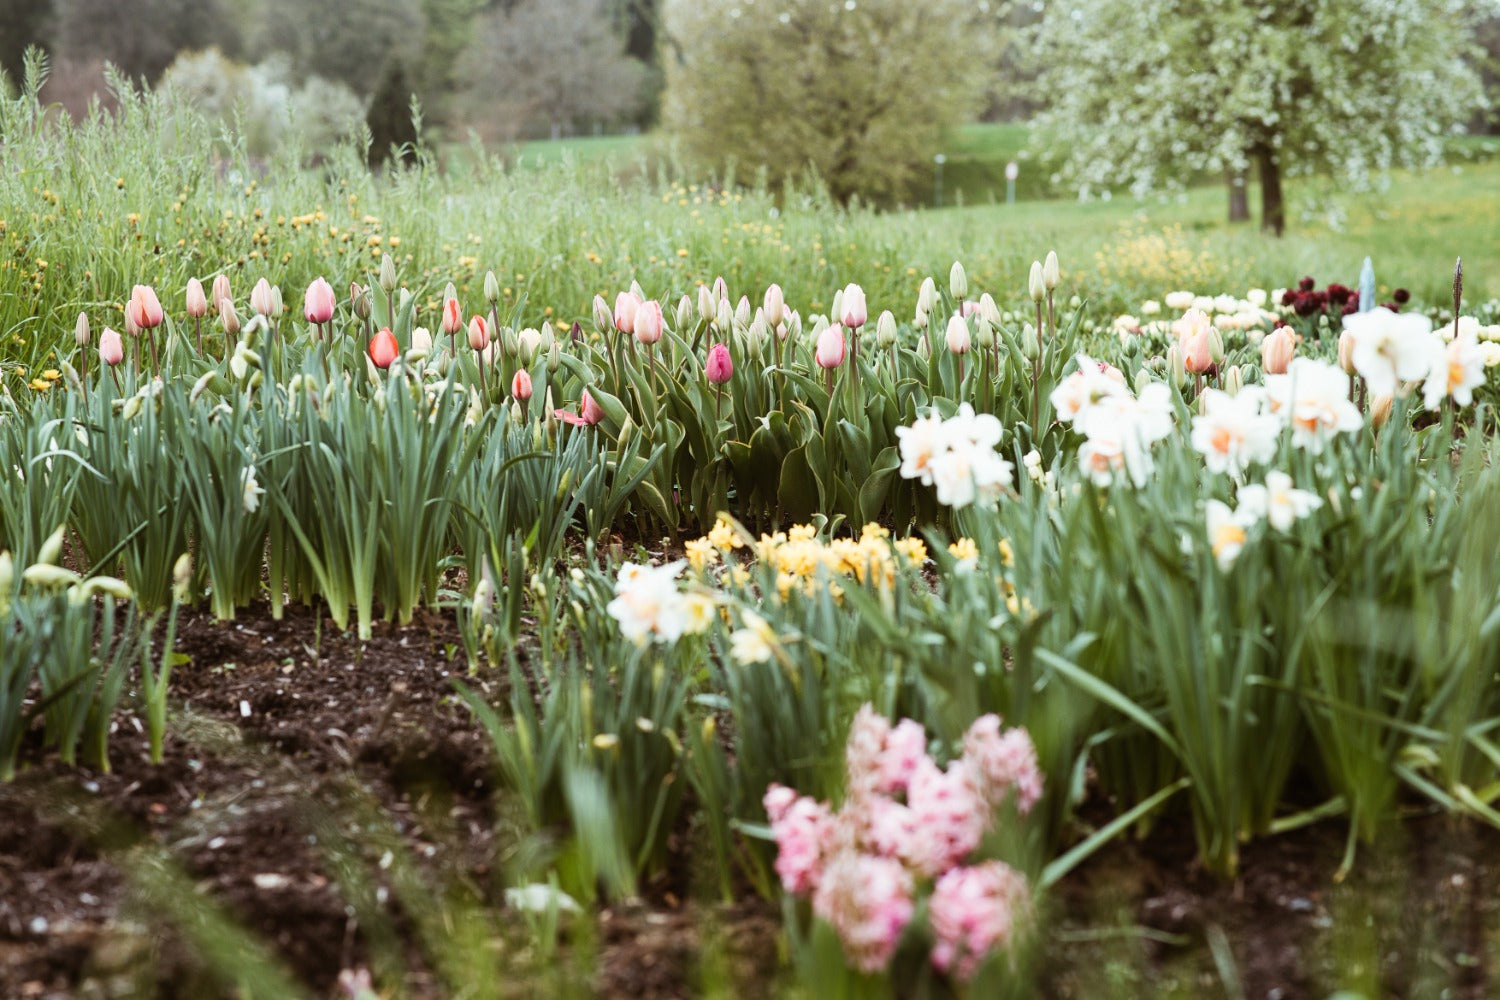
318	304
626	305
383	348
1276	351
197	302
831	347
720	367
855	313
520	386
453	317
260	297
1197	355
589	413
144	309
111	347
220	290
648	322
479	333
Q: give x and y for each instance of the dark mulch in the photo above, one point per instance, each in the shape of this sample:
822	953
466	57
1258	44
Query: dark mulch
335	799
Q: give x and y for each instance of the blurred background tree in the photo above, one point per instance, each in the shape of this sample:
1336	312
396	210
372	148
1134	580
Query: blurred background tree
861	92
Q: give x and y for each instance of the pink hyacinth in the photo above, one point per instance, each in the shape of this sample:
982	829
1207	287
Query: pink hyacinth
801	827
973	912
868	900
1005	761
950	814
862	750
905	748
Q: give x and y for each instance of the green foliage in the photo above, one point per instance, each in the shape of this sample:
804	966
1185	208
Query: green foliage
392	130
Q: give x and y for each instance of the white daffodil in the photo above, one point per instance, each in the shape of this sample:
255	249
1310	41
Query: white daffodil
1226	532
251	489
1232	432
1389	347
1456	370
1313	399
1277	501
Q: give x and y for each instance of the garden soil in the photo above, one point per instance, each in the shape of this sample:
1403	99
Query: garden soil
326	804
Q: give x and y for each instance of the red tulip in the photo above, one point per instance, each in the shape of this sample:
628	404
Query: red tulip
144	309
720	367
589	413
520	386
319	302
383	348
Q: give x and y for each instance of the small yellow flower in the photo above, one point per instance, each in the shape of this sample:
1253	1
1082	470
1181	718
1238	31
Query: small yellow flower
40	384
701	554
51	374
913	548
964	549
1007	554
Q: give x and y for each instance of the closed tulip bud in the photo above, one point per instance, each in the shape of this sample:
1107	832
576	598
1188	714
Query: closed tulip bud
924	350
1051	275
111	347
453	316
742	311
836	314
383	348
1176	365
277	306
359	299
228	318
144	308
132	328
1276	351
885	331
81	330
708	306
1380	410
648	322
1038	285
720	367
604	318
387	277
1346	348
775	305
220	290
831	347
721	289
1234	380
260	298
919	319
197	301
491	289
958	283
554	358
479	333
855	313
957	336
684	314
927	294
759	332
1216	345
988	309
520	385
1142	379
319	302
724	318
626	305
1031	344
528	342
793	325
984	334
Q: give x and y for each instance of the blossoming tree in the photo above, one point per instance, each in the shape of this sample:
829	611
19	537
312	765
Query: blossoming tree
1149	93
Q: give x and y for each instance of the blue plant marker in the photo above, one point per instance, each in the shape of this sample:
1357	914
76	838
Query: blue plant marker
1367	286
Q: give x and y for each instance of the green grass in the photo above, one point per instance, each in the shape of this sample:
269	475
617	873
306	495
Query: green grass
88	211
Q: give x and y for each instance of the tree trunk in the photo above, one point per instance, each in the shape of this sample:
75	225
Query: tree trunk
1272	210
1239	195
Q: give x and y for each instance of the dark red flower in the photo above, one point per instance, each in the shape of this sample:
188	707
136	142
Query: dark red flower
1289	296
1402	296
1338	295
1307	284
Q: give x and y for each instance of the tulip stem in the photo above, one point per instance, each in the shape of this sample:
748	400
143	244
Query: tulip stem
198	331
83	360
